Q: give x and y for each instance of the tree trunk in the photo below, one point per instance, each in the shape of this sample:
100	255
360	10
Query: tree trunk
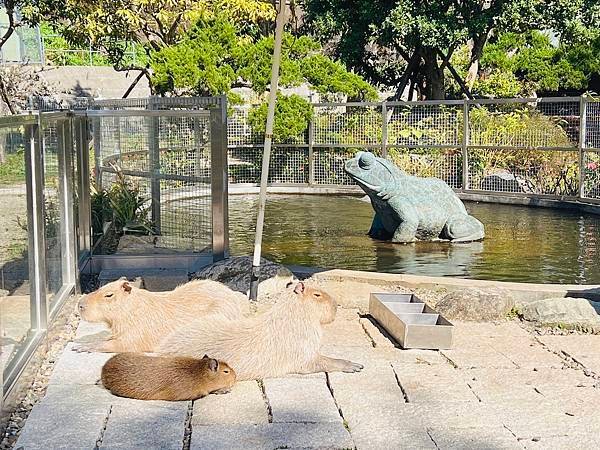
434	76
477	44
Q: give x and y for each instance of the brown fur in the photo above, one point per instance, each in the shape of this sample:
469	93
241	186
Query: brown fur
285	339
134	375
138	319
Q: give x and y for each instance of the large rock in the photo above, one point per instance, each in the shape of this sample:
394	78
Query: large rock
479	305
565	311
235	273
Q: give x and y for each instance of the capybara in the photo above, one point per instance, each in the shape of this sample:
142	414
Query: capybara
285	339
138	319
135	375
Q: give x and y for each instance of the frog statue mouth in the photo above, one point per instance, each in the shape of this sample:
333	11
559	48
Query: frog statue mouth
365	170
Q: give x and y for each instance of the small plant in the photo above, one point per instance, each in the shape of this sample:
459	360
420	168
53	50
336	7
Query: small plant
123	204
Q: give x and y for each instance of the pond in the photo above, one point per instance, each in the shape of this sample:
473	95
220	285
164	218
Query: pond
536	245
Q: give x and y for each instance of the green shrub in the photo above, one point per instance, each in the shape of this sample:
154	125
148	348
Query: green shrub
12	170
292	115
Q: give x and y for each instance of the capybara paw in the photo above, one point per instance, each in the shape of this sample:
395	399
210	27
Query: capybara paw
222	391
352	367
83	348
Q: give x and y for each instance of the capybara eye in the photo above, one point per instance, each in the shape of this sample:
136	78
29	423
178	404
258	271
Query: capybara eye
317	294
110	294
226	371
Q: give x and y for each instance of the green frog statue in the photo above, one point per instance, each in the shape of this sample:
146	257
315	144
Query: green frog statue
409	208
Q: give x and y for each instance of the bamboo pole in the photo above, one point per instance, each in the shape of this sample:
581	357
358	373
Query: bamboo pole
264	176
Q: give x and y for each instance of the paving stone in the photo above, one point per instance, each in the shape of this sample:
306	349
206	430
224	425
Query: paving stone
568	442
78	368
478	355
86	329
271	435
375	333
502	329
433	384
301	400
584	348
535	419
497	385
243	405
145	424
525	352
475	438
60	422
346	330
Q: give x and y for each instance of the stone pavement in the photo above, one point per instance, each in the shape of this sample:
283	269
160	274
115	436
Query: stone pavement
499	388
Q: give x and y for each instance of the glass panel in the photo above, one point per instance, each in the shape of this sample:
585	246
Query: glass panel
14	265
52	208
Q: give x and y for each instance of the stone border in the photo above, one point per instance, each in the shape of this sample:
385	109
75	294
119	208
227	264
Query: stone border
522	292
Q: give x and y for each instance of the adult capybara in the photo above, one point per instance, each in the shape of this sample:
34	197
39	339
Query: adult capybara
138	319
285	339
134	375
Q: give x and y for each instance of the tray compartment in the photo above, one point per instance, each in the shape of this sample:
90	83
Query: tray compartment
410	321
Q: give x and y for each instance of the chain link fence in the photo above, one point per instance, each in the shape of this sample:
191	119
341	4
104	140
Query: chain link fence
544	146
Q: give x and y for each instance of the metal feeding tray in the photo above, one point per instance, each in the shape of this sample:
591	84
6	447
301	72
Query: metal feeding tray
410	321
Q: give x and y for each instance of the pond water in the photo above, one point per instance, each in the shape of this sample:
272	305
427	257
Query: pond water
523	244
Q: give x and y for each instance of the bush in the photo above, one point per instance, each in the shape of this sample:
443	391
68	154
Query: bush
292	115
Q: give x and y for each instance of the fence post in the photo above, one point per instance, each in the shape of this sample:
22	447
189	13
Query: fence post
65	191
219	180
384	133
582	138
83	171
154	157
35	225
98	153
465	146
311	152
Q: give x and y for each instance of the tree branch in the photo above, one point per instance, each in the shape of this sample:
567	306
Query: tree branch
134	84
457	77
12	25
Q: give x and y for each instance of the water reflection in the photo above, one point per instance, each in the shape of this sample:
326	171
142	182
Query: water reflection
522	244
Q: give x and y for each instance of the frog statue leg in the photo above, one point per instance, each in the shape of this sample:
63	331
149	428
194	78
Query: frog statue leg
377	230
463	228
408	218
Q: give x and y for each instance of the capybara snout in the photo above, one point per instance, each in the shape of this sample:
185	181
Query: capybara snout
96	306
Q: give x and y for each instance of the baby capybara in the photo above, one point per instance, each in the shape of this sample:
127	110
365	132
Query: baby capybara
144	377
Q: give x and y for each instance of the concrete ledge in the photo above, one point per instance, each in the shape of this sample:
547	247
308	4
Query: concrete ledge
523	292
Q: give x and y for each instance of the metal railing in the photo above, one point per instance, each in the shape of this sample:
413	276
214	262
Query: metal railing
547	147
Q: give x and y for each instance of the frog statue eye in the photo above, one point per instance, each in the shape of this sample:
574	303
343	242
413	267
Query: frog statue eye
366	160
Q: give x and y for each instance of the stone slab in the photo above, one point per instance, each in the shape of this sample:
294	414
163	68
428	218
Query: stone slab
478	355
145	424
243	405
271	436
78	368
345	330
474	438
375	333
584	348
504	385
60	422
433	384
525	352
301	400
86	329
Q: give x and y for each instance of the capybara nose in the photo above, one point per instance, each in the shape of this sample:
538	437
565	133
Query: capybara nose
81	307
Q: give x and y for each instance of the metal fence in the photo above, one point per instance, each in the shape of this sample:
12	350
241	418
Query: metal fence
546	147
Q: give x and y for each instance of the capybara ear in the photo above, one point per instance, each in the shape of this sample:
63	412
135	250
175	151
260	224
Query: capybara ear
126	286
123	279
205	357
299	289
213	365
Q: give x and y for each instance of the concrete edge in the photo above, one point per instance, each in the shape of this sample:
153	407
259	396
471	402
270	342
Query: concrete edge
523	292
